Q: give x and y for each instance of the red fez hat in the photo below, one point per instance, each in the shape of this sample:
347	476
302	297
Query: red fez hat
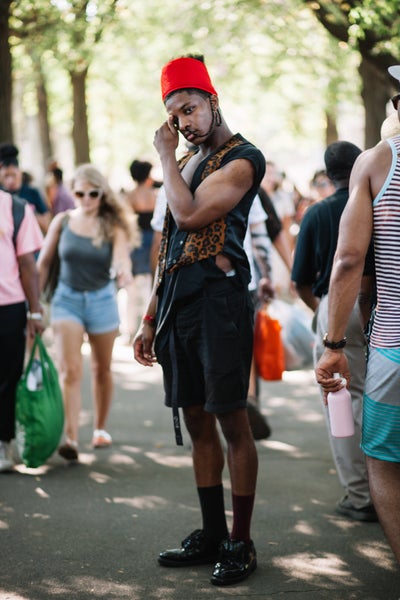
183	73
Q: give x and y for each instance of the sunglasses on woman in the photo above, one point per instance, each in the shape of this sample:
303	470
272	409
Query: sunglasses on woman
90	193
395	101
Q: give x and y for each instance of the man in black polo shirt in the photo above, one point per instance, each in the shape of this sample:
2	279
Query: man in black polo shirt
315	250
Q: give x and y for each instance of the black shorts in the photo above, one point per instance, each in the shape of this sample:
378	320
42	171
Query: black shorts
206	359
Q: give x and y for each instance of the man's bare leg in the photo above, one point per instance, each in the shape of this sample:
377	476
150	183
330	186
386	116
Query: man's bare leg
202	545
384	483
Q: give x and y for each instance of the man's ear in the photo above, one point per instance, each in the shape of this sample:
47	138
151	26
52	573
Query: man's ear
214	102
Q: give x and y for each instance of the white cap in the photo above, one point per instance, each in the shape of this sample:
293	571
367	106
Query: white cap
395	71
343	380
390	126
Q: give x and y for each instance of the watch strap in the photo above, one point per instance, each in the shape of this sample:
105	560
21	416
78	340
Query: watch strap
333	345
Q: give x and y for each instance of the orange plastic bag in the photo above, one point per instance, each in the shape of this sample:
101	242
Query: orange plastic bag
268	349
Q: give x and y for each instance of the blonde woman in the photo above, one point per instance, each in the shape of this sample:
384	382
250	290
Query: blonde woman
92	242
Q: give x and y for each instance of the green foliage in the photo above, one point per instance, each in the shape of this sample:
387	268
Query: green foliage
276	68
378	20
80	28
369	25
261	53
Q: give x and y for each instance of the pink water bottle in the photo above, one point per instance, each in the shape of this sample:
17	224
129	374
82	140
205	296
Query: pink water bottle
340	411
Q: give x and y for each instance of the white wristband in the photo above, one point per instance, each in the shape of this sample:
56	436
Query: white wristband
35	316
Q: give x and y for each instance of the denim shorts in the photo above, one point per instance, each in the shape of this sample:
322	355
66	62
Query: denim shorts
140	256
96	311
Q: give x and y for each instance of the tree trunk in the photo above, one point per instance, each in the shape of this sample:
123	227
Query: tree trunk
331	128
80	134
6	128
375	94
43	115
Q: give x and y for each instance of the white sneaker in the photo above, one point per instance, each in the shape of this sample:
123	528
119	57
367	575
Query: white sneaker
101	439
6	464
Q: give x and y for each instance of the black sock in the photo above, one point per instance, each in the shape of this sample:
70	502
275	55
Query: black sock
213	512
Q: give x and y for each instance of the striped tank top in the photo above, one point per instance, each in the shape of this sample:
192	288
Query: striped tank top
386	216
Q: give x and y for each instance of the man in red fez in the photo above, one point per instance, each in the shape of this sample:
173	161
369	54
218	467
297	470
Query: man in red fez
199	321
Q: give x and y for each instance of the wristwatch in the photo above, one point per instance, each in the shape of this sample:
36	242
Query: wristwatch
333	345
34	316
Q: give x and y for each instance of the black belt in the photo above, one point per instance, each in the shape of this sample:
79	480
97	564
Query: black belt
174	391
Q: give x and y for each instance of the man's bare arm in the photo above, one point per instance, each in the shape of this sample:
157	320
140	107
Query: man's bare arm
213	198
305	293
354	237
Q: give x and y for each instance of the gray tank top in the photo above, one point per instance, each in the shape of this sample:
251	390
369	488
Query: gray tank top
83	266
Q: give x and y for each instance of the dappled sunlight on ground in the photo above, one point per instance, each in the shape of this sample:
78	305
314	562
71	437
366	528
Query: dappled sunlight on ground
172	587
98	586
328	568
276	401
316	501
94	529
142	502
124	455
342	523
170	461
302	412
99	477
10	596
304	528
127	372
41	493
117	458
285	448
378	554
86	458
310	417
131	449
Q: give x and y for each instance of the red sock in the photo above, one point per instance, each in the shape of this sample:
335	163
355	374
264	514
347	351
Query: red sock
242	512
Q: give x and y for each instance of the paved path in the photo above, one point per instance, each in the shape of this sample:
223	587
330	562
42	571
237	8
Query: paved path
93	530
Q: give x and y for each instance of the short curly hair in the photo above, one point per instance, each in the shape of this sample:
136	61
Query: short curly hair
140	170
339	159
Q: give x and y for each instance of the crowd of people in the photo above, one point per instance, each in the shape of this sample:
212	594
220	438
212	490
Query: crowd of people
222	236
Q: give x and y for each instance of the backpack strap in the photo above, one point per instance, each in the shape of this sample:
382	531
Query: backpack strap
18	213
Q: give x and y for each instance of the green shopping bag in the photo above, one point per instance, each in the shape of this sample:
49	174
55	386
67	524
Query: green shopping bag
39	410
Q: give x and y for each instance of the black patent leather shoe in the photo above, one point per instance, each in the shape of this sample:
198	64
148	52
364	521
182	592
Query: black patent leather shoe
236	561
196	549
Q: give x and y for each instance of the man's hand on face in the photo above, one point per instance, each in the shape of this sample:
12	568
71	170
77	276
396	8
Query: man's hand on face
166	138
